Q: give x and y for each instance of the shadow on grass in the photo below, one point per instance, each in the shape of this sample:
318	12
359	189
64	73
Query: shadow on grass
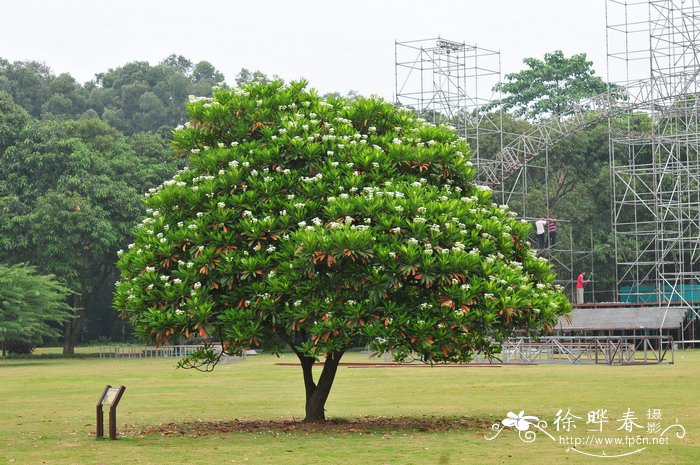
364	425
6	363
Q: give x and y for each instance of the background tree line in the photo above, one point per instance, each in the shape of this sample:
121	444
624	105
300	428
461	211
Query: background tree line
75	160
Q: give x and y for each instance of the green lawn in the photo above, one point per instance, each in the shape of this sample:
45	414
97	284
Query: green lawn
47	411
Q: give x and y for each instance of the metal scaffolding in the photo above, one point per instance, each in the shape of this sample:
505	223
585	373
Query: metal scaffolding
652	49
452	82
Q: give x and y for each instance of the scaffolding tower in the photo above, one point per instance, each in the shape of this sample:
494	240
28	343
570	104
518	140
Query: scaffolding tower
653	60
452	82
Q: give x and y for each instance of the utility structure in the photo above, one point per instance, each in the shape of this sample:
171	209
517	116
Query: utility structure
652	50
452	82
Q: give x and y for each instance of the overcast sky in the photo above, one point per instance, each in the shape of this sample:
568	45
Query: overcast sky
336	45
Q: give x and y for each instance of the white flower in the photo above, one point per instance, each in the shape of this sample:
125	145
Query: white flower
197	285
221	204
149	287
271	249
177	280
150	268
520	421
192	226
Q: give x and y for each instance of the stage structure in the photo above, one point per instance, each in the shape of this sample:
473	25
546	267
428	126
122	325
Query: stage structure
452	83
652	49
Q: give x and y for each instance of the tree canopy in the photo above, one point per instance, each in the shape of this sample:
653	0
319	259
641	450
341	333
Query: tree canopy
31	305
325	223
135	97
70	196
549	86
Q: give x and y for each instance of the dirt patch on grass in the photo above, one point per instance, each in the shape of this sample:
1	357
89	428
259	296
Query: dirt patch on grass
366	425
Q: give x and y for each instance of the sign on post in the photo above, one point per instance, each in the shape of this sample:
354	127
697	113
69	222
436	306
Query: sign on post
110	396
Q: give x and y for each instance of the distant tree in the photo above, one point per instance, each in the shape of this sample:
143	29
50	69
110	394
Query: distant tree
32	86
13	118
140	97
135	97
324	223
549	86
178	62
246	76
70	196
32	306
27	83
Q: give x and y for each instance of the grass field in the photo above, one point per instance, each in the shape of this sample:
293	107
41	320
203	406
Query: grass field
47	410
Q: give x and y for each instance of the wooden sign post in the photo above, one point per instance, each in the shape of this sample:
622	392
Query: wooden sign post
111	396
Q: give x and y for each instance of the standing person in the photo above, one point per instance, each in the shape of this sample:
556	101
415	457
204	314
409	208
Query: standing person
552	227
579	287
541	234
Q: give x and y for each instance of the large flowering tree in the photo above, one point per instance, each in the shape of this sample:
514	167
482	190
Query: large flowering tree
325	223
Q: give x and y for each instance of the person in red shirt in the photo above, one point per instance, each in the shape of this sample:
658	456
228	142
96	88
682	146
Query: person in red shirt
579	287
552	228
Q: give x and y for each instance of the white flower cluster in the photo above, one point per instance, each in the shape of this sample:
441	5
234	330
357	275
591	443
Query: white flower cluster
316	178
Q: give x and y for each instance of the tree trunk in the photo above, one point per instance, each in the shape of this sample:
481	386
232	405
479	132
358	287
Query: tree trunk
72	329
71	333
317	393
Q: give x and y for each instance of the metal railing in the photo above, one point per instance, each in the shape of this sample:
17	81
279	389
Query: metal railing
170	351
609	350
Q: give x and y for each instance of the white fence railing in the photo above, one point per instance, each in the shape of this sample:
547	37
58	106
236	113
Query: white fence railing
170	351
